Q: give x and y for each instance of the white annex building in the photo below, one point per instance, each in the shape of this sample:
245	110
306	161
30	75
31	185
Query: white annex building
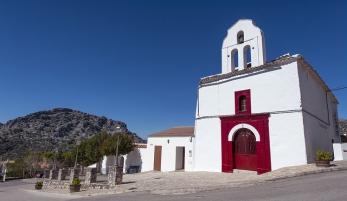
257	116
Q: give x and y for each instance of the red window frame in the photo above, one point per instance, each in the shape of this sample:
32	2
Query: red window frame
238	95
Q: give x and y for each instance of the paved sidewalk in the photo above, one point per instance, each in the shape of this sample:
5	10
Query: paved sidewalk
177	182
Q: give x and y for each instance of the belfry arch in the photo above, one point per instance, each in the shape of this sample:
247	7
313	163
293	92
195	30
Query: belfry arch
244	36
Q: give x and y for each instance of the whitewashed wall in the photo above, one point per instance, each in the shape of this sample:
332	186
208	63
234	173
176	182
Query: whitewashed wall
272	90
253	37
287	141
319	127
340	151
106	162
277	91
207	148
138	157
168	155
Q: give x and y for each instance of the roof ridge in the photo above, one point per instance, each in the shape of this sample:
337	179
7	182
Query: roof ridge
217	77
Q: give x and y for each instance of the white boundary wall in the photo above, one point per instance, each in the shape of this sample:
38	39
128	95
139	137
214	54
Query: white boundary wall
340	151
138	157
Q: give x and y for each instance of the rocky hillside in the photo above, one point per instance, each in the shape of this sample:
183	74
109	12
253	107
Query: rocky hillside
45	130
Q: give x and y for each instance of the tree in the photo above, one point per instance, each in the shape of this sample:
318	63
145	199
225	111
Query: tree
93	148
69	159
32	160
82	158
125	145
48	159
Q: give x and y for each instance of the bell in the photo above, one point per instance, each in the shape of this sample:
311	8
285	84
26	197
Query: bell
241	39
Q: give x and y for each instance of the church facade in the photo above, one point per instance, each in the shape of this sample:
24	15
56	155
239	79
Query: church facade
261	116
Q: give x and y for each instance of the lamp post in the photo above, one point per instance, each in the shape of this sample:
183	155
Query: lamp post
77	143
55	153
118	130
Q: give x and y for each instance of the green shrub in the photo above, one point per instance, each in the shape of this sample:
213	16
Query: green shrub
15	173
39	183
324	155
76	181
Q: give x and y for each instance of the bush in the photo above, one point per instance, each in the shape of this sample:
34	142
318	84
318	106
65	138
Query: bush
76	181
15	173
39	183
323	156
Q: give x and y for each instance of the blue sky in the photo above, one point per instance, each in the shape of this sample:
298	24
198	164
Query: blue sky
140	61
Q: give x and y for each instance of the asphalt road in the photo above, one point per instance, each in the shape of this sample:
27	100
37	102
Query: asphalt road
329	186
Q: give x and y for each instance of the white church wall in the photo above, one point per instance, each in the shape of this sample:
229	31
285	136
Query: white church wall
275	90
271	91
168	154
319	128
207	152
287	142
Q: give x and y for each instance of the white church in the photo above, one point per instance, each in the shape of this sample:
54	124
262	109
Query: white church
254	116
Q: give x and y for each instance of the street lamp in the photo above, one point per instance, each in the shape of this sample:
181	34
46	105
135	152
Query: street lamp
77	143
55	153
118	130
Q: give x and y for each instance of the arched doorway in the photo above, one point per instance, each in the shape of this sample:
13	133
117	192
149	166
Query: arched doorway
245	150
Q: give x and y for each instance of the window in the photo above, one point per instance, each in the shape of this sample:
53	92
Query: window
243	102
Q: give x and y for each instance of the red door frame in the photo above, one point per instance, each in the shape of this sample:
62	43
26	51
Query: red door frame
261	123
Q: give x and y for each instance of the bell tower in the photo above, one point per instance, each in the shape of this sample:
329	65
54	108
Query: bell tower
243	36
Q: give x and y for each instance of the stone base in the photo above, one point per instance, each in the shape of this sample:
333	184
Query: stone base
55	184
115	175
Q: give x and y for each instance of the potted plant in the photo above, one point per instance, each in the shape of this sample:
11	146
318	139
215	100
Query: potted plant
38	185
75	185
323	158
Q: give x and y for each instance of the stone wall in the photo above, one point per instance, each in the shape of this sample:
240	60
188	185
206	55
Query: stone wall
115	176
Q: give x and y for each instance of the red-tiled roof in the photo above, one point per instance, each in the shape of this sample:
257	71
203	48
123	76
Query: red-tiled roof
140	145
181	131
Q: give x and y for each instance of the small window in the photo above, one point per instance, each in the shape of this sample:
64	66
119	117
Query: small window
243	104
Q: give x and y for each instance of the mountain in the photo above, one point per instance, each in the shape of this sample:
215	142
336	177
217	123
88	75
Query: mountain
60	127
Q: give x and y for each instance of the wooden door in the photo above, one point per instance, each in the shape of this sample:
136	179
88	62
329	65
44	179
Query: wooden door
245	150
183	158
157	158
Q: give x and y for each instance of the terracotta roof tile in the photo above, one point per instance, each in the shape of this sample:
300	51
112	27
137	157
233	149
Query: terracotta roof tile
140	145
181	131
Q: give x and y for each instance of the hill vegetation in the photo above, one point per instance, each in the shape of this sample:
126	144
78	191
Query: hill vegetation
61	128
